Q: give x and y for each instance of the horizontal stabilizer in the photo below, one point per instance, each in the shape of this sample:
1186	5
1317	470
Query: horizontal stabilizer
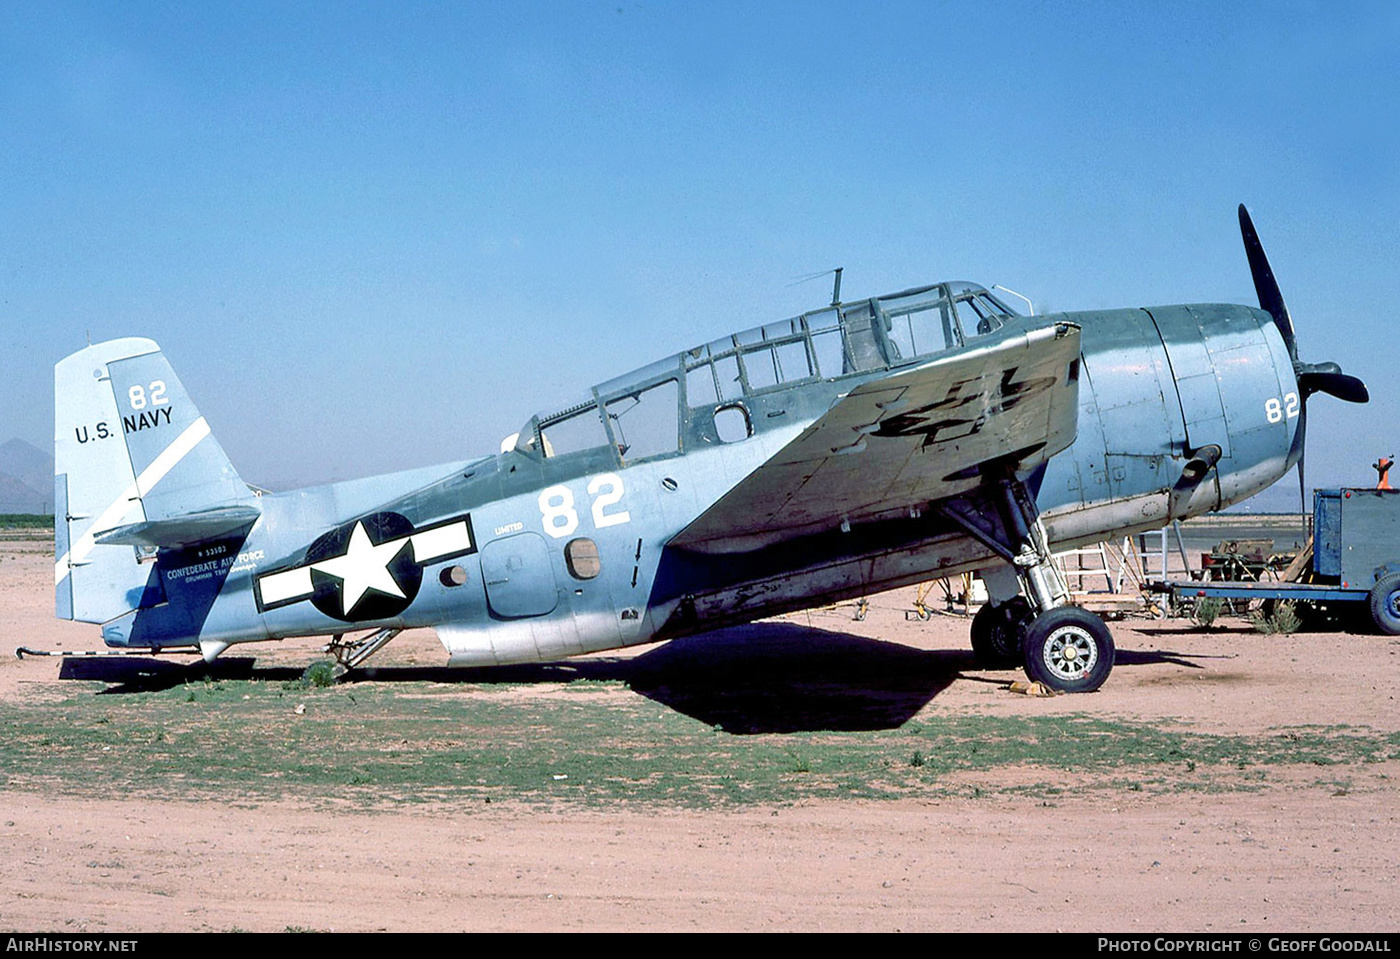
181	530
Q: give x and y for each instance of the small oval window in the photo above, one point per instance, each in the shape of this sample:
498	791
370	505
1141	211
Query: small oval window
732	424
581	555
453	576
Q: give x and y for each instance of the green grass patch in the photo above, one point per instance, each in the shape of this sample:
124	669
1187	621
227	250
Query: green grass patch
26	521
591	742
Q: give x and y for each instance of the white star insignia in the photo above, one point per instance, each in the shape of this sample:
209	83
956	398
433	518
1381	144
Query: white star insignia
363	567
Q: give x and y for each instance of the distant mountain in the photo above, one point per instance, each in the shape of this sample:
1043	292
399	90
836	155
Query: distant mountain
26	478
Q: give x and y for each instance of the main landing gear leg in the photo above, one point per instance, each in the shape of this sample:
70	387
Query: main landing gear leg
1065	647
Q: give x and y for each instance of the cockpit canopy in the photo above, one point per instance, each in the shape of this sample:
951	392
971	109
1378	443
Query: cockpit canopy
642	408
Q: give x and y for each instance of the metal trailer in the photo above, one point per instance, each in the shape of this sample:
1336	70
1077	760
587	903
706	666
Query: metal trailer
1355	559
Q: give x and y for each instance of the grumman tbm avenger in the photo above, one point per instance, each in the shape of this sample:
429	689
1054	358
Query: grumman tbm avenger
858	447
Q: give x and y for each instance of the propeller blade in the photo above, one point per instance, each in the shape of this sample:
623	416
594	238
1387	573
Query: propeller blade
1311	377
1270	296
1333	383
1300	440
1298	452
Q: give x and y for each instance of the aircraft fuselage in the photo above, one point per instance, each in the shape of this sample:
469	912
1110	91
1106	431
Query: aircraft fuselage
540	553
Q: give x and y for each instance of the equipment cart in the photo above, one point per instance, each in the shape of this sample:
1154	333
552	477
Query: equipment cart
1355	560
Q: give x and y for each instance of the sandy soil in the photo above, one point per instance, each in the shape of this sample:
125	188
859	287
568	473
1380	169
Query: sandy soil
1295	857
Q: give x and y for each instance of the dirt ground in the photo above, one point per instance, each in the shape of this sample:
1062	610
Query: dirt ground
1298	855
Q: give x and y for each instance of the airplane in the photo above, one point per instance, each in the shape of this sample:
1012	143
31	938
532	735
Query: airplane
858	447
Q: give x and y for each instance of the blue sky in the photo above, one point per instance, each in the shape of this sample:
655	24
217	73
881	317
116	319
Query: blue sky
373	236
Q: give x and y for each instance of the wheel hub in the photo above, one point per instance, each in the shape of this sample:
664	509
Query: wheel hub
1070	653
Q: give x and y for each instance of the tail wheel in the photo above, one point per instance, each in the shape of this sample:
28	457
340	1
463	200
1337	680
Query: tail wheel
996	634
1385	604
1069	649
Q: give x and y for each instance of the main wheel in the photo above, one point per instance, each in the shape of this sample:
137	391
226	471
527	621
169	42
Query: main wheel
1068	648
1385	604
996	634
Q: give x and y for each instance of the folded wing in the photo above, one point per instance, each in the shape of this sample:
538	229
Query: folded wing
902	441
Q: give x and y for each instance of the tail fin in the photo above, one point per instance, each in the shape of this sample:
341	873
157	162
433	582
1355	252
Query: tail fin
133	460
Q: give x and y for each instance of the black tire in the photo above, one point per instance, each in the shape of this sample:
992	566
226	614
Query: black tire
1311	617
1069	649
1385	604
996	634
